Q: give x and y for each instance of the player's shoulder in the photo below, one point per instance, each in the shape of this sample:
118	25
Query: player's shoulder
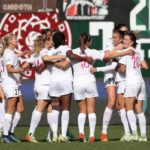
76	50
8	52
43	51
64	47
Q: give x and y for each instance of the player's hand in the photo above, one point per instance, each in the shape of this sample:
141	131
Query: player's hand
61	57
89	60
93	70
25	66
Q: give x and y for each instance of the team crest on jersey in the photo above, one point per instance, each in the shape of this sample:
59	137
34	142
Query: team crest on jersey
27	26
85	9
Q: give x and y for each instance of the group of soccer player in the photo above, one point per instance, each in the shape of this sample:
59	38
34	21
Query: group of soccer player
61	72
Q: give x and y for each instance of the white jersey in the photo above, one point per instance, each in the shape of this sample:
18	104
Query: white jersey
82	69
109	45
10	79
42	78
60	74
133	68
110	73
122	60
1	68
120	76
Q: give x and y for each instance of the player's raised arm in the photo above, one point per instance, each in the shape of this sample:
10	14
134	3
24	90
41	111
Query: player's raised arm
76	57
105	68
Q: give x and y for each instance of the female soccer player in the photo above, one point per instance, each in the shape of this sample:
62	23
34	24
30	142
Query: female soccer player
61	86
135	89
84	84
42	83
10	85
2	97
109	80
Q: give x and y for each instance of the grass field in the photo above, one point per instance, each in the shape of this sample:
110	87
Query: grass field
115	132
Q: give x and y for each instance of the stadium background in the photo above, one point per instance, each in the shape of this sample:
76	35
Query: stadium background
134	13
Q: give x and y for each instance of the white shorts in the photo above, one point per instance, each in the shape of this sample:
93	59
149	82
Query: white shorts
11	91
60	88
136	90
42	92
110	82
121	87
85	90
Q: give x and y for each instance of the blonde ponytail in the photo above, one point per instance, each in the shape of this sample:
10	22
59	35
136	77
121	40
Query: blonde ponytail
38	44
5	41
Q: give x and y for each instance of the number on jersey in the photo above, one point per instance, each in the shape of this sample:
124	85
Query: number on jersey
84	65
136	62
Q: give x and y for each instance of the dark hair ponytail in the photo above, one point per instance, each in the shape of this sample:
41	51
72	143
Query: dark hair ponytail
121	33
84	38
58	39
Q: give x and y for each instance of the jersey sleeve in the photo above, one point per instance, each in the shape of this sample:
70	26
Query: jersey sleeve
110	67
109	45
43	53
141	55
123	60
8	58
66	48
97	55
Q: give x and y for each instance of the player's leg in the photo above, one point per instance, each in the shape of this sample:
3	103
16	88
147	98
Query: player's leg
35	119
10	109
55	116
81	119
142	120
91	117
129	105
50	121
111	96
2	110
17	117
123	116
65	104
12	94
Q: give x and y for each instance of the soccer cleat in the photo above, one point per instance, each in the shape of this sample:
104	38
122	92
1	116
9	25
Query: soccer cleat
142	139
91	139
55	139
31	138
13	138
134	137
104	137
82	137
6	139
48	139
63	138
126	138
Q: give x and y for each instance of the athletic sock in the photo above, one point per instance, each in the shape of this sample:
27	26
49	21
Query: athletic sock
124	120
142	123
132	121
81	122
15	121
92	123
35	119
2	112
50	122
64	122
106	119
55	117
7	123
